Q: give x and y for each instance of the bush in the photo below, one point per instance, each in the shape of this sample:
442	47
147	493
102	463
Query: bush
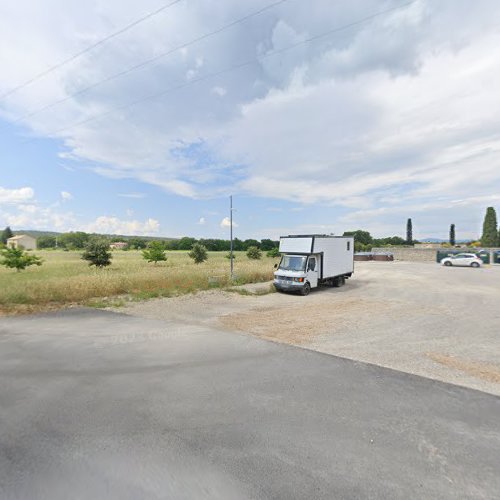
97	253
155	252
19	259
46	242
254	253
228	255
198	253
274	252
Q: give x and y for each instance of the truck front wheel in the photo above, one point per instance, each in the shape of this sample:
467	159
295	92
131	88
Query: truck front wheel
306	289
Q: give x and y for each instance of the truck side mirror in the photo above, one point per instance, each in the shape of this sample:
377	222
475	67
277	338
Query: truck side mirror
275	266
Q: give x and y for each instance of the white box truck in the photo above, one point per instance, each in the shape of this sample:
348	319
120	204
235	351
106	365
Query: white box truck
310	260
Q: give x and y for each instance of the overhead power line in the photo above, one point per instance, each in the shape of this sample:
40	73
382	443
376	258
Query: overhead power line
149	61
88	49
231	68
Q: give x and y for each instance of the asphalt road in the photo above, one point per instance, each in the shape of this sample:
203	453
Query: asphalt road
101	405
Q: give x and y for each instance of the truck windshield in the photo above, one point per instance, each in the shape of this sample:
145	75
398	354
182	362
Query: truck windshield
293	263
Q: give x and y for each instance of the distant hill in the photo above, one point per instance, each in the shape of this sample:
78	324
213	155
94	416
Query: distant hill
439	240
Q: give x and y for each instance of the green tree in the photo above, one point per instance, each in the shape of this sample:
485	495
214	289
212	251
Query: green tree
155	252
390	241
186	243
254	253
409	232
452	235
198	253
97	253
6	234
250	243
361	237
18	259
274	252
267	244
490	233
238	245
74	240
46	242
137	243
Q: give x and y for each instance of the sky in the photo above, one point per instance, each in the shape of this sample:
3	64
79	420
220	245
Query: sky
128	117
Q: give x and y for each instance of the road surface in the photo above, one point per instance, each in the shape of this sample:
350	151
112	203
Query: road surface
96	405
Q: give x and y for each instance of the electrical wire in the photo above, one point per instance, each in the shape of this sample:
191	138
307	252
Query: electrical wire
148	61
230	69
88	49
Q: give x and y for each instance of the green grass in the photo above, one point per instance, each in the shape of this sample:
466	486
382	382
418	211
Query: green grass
66	279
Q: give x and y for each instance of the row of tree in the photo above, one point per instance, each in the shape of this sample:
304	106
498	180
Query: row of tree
364	241
77	241
97	253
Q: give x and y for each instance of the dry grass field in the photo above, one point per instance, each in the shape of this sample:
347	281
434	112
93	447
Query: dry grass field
65	279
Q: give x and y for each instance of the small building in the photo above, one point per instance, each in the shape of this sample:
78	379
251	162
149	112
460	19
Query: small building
22	241
118	245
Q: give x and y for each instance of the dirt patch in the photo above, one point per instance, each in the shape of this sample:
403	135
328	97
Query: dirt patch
484	371
389	314
301	323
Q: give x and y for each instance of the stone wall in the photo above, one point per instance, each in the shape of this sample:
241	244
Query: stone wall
411	254
421	254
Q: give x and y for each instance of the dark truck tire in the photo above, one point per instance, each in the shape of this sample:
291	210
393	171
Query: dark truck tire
305	289
339	281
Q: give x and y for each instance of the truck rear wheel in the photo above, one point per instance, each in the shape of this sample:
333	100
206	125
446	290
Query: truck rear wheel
306	289
339	281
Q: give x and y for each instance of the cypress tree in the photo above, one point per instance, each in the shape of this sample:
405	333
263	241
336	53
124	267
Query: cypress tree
490	233
6	234
452	235
409	232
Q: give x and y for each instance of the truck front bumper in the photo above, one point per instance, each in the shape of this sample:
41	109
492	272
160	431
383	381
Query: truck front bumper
288	286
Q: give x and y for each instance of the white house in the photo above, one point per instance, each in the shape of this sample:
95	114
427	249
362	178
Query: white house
22	241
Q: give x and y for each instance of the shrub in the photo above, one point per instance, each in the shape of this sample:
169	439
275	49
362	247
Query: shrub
97	253
254	253
274	252
228	255
198	253
19	259
155	252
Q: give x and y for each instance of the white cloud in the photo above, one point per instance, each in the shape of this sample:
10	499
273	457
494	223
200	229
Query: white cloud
132	195
66	196
226	222
14	196
220	91
114	225
30	216
391	113
202	221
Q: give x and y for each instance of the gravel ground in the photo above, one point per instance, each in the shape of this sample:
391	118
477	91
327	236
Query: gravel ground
421	318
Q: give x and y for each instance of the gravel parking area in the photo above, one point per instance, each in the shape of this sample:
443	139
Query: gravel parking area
421	318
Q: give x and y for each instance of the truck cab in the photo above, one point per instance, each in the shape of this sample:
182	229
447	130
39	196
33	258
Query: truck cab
297	273
311	260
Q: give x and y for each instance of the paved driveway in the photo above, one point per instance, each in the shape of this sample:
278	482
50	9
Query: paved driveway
101	405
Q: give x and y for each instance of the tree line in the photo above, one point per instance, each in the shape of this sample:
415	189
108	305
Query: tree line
78	239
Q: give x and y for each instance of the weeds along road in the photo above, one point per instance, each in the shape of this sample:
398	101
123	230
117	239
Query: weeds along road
95	404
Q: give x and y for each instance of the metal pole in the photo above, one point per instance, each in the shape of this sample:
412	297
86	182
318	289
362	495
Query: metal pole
231	230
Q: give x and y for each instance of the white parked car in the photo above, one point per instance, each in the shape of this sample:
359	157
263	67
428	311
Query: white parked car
462	259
